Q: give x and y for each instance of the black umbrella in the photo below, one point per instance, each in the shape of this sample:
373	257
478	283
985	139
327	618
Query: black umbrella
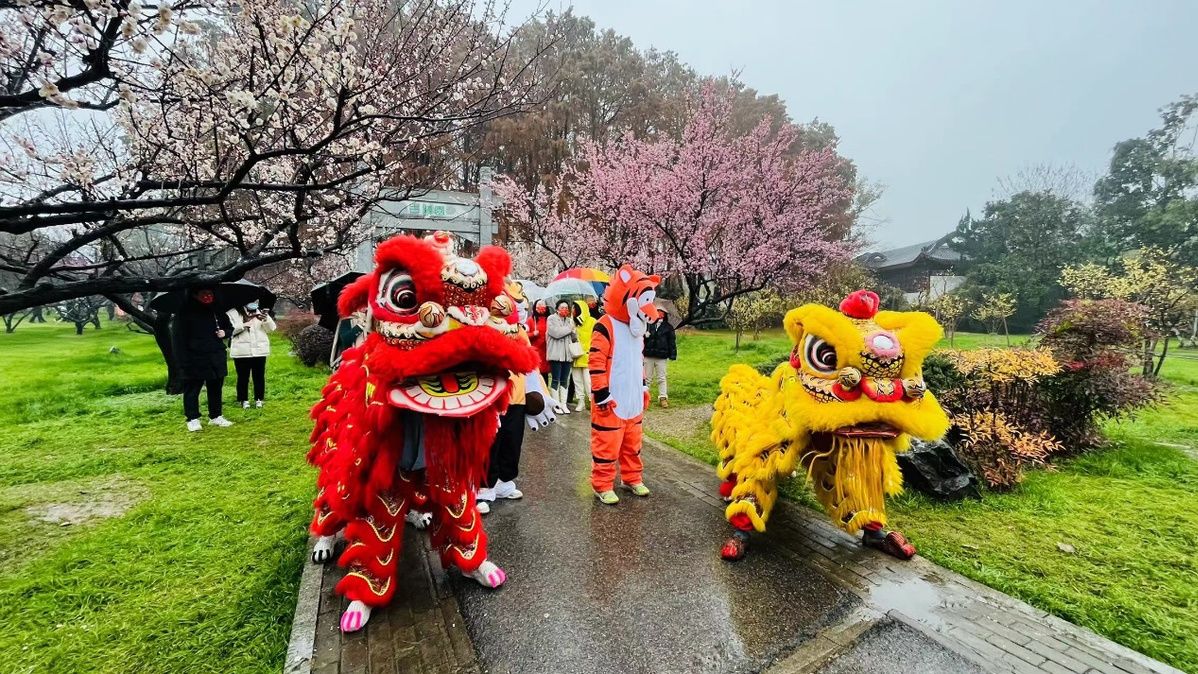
324	297
228	295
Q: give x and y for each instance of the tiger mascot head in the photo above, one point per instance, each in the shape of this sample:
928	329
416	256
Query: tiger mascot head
629	298
858	371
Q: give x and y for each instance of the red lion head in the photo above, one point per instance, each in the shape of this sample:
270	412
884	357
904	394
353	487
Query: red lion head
441	340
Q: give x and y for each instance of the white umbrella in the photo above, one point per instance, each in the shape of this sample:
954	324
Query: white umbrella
570	286
532	290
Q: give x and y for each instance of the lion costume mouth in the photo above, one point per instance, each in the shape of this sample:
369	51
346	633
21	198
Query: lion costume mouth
449	394
868	430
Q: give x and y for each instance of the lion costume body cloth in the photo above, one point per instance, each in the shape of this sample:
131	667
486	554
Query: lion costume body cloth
850	397
409	417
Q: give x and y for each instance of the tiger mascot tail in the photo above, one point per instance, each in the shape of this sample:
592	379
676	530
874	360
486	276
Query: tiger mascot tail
617	373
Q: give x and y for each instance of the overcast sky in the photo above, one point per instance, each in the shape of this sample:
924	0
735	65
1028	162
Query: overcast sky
937	100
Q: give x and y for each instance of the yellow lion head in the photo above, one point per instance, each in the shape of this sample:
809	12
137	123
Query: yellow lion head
857	372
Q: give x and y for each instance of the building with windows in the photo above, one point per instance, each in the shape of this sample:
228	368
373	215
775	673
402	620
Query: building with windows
923	271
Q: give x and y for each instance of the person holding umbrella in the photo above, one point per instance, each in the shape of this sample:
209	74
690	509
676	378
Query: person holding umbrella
198	335
561	348
249	348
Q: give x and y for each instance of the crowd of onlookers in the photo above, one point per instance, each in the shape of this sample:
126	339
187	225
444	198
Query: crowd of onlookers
563	339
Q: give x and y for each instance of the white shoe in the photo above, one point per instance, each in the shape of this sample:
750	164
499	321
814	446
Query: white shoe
258	404
193	425
245	404
562	395
579	406
485	494
219	421
482	507
418	519
507	490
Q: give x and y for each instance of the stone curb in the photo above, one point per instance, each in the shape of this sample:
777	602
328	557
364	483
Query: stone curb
303	624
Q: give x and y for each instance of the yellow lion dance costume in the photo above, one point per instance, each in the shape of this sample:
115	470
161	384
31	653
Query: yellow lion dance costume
850	398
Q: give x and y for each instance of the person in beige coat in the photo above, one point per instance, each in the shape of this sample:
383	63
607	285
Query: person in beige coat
249	348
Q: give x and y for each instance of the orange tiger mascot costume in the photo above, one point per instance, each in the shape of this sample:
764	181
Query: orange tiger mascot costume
617	371
408	418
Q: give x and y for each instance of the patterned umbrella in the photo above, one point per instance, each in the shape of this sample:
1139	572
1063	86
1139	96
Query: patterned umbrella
584	274
598	279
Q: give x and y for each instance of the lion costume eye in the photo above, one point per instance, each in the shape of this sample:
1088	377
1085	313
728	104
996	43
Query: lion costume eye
397	293
820	355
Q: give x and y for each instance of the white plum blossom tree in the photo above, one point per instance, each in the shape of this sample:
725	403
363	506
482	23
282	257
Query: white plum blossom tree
246	133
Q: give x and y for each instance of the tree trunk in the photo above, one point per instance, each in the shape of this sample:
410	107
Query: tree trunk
1006	331
79	326
738	331
37	316
1146	357
158	325
1161	361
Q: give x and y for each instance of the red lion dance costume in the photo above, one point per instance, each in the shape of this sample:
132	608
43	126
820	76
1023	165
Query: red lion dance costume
409	417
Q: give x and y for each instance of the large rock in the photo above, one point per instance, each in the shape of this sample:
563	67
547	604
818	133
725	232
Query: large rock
933	468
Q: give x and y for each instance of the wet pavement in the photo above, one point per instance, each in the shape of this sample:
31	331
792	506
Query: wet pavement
638	587
892	646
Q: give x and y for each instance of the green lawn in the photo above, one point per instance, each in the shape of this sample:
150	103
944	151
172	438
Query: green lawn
1130	512
199	574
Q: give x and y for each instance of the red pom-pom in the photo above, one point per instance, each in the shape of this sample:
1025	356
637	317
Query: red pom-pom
726	488
741	521
862	304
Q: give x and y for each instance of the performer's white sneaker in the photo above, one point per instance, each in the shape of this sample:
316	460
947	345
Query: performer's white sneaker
486	494
506	489
220	421
193	425
418	519
482	507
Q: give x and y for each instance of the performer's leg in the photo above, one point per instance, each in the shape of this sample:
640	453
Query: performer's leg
325	525
458	534
607	432
631	466
371	558
411	485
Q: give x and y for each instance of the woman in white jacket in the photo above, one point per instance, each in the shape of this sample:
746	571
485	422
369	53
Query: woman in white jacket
249	348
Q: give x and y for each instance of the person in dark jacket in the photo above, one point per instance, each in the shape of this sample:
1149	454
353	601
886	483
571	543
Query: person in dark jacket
660	347
198	335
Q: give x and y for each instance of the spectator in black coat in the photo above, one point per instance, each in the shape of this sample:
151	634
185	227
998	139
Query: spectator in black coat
198	334
660	347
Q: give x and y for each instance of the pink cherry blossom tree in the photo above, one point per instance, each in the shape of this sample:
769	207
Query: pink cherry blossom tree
152	147
724	213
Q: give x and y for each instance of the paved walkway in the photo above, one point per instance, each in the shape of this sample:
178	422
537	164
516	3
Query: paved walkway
640	588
